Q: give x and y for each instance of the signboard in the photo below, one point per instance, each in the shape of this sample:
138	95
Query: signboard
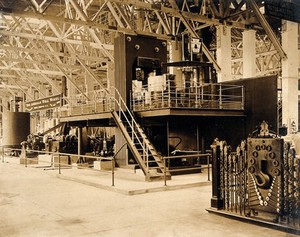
283	9
45	103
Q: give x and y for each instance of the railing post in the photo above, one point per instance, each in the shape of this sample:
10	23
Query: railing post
3	154
131	100
150	100
162	97
243	100
25	158
165	172
112	172
202	97
169	93
119	106
196	96
220	97
189	91
208	171
132	130
216	200
59	171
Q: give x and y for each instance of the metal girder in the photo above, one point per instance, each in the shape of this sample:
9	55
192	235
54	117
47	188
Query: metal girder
91	73
204	48
82	64
267	28
55	39
11	87
88	27
83	17
119	15
35	51
25	92
73	82
37	70
57	62
43	6
8	88
31	83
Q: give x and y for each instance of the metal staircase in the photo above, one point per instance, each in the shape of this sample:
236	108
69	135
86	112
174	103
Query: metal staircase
142	149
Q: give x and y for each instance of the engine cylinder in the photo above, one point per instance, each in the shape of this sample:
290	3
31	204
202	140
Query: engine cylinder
16	127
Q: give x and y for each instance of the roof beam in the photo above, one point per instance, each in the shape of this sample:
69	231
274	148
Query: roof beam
267	28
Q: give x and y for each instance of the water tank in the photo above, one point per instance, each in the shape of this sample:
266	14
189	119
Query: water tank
16	128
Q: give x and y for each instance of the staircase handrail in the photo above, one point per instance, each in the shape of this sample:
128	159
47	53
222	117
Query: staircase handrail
134	124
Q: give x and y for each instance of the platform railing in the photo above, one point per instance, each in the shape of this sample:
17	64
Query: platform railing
101	102
60	165
56	160
206	96
159	96
193	156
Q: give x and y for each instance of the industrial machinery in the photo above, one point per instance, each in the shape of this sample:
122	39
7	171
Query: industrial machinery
259	181
265	171
101	146
35	142
186	83
62	143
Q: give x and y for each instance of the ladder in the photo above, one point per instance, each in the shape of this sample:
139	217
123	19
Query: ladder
145	154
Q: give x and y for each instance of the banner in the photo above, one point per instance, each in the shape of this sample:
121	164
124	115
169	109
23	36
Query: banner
45	103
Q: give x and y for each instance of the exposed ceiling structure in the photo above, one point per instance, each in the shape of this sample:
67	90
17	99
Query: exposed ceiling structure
42	41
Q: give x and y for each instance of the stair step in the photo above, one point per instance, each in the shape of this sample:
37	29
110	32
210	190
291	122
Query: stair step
138	140
151	161
157	177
